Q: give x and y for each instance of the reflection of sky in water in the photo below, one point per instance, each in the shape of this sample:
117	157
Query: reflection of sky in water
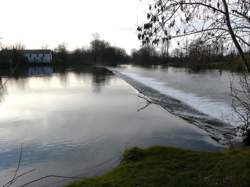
72	121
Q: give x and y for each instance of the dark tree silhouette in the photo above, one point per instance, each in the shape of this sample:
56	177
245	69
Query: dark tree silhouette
145	56
209	20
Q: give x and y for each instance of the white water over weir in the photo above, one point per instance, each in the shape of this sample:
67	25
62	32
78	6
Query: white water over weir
216	119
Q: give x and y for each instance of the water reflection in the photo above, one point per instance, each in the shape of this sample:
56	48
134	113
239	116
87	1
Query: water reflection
98	76
2	89
39	71
67	128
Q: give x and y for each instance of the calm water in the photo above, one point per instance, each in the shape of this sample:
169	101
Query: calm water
76	122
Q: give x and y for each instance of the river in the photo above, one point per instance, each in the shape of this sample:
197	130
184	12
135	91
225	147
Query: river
78	121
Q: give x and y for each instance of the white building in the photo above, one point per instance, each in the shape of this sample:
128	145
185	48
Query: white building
38	56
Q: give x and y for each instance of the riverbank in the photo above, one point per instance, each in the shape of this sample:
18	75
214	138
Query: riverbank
233	66
172	167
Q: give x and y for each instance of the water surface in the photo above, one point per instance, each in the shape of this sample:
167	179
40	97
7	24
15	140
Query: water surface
206	90
77	122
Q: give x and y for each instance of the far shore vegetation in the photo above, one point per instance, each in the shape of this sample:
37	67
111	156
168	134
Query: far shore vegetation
195	55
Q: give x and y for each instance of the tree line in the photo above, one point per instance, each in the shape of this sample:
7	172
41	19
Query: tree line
193	52
99	52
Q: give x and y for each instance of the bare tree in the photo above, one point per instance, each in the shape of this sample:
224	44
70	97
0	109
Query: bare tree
212	21
228	20
241	105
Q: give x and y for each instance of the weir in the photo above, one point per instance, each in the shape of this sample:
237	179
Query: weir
217	129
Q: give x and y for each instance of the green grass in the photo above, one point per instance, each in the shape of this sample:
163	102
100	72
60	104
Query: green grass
172	167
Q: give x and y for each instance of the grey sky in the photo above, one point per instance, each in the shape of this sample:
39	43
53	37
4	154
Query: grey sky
38	22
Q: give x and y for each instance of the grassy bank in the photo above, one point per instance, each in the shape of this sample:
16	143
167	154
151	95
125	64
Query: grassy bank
162	166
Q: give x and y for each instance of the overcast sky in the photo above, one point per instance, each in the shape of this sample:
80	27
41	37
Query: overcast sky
38	22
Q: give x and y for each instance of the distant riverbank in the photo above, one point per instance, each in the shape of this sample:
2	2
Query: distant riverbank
227	65
233	66
172	167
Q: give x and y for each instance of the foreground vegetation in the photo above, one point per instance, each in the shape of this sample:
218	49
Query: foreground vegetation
162	166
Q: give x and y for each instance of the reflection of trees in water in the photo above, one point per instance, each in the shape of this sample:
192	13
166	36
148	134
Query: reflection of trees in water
63	76
2	89
152	66
98	76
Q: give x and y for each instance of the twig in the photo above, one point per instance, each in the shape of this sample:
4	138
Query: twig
15	177
140	95
49	176
65	177
146	105
17	169
19	176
